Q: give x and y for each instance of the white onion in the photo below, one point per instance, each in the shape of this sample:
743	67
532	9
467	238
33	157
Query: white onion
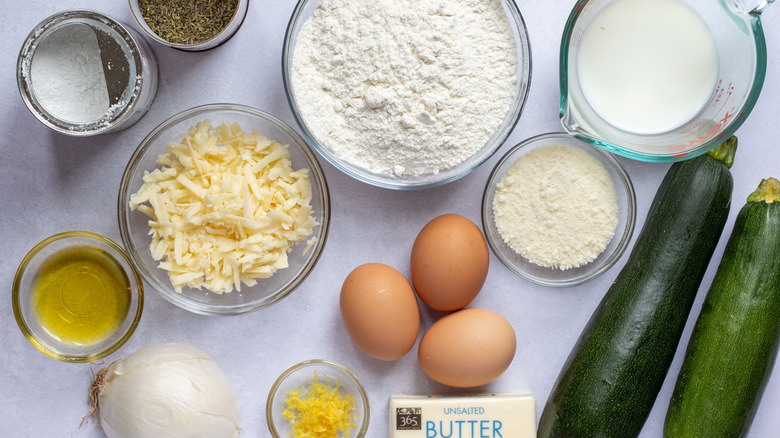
165	391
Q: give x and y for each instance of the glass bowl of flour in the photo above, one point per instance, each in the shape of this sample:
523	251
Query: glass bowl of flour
557	211
406	95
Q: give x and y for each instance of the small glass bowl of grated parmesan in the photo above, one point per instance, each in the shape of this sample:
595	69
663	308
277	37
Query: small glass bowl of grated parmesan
318	399
224	209
557	211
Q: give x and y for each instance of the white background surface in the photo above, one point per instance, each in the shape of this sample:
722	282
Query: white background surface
51	183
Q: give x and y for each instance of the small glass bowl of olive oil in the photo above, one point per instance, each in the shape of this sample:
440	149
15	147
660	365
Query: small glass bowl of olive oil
77	297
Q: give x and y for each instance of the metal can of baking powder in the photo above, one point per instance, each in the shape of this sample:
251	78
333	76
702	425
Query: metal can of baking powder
83	73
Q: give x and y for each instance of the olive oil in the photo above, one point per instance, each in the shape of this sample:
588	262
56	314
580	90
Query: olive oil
81	295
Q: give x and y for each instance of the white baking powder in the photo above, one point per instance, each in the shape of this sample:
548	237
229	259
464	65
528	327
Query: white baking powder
557	207
67	75
405	87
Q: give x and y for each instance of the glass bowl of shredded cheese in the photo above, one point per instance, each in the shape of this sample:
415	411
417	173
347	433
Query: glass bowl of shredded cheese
557	211
406	100
224	209
317	399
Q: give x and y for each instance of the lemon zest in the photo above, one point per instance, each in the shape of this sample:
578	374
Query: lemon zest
319	410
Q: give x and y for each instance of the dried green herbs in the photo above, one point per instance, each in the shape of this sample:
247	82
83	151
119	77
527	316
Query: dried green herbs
187	21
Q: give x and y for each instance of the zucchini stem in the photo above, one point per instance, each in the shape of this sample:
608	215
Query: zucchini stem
768	191
725	151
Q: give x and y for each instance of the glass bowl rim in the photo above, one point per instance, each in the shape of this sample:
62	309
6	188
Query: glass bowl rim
118	251
623	178
164	290
269	405
520	31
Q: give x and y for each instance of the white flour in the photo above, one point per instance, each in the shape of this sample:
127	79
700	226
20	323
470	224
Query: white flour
405	87
67	75
557	207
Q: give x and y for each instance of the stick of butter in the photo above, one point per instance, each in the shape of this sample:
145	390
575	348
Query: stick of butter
509	415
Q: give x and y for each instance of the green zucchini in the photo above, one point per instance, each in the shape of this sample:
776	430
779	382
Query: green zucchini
614	373
734	343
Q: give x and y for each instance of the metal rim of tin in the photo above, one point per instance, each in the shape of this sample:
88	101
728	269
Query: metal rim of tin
215	41
132	48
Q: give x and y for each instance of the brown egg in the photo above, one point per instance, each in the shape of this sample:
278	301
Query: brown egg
449	262
380	311
468	348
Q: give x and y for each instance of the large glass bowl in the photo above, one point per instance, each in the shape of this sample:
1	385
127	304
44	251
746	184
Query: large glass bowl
305	8
134	228
49	342
626	203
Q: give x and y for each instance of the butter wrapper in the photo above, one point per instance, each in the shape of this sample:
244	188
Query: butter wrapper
507	415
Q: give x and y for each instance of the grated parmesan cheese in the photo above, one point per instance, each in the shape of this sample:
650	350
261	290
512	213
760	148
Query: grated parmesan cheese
318	410
226	208
557	207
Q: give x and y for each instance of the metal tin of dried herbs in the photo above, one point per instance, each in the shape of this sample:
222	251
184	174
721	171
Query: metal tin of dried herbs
192	25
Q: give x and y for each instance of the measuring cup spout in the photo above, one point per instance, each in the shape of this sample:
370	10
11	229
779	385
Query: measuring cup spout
755	7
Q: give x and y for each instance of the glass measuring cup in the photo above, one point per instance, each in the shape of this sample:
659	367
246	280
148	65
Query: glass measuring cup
741	48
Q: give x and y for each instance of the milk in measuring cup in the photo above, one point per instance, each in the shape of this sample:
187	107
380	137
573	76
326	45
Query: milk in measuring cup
647	66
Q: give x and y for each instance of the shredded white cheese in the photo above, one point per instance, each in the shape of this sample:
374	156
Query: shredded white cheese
226	208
